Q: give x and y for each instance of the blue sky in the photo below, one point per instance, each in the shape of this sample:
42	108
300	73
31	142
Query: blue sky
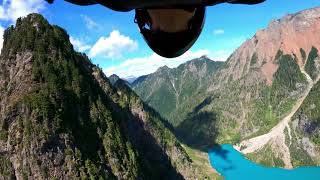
112	40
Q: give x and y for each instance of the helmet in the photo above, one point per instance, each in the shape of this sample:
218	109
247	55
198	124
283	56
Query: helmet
167	44
128	5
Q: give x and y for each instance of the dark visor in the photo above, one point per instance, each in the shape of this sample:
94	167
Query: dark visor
169	45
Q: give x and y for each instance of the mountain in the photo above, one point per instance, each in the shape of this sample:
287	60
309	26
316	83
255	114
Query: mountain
113	79
61	118
138	80
264	83
130	79
265	76
263	98
177	85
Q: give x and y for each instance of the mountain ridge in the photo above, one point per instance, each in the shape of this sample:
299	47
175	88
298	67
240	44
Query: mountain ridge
174	81
290	34
61	118
255	89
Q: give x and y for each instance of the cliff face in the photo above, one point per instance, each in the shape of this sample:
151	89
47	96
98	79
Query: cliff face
291	34
61	118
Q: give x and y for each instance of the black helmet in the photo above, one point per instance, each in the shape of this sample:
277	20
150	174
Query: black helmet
163	43
167	44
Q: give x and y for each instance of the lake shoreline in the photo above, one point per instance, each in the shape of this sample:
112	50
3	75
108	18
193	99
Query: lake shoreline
232	164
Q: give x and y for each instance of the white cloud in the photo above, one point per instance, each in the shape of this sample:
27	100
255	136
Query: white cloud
79	45
1	37
146	65
113	46
90	24
218	31
10	10
220	55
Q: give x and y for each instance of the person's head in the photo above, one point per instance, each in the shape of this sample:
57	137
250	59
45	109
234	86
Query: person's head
170	32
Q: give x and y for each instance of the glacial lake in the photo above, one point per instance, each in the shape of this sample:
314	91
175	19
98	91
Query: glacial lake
231	164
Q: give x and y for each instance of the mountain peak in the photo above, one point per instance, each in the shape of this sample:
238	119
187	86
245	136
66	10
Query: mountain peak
163	68
113	78
34	33
290	34
204	57
114	75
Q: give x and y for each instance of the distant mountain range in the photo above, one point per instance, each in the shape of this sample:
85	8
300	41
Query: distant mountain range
130	79
178	86
114	78
268	86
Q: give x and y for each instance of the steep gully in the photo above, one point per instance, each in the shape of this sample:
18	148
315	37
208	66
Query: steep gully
276	135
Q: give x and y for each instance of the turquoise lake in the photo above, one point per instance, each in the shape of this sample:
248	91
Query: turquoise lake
233	165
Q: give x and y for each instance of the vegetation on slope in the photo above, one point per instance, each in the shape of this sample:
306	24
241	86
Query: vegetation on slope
213	117
253	104
305	145
178	85
266	157
310	65
275	101
63	119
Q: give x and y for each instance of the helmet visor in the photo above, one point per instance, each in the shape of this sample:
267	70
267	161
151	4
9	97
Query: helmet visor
169	45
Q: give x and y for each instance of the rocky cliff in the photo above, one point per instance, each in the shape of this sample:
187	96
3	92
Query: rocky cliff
294	34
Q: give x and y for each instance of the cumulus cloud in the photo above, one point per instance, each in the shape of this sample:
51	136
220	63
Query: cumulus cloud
113	46
79	45
1	37
146	65
218	31
10	10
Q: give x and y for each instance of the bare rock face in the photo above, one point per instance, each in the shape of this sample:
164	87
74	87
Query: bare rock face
288	34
